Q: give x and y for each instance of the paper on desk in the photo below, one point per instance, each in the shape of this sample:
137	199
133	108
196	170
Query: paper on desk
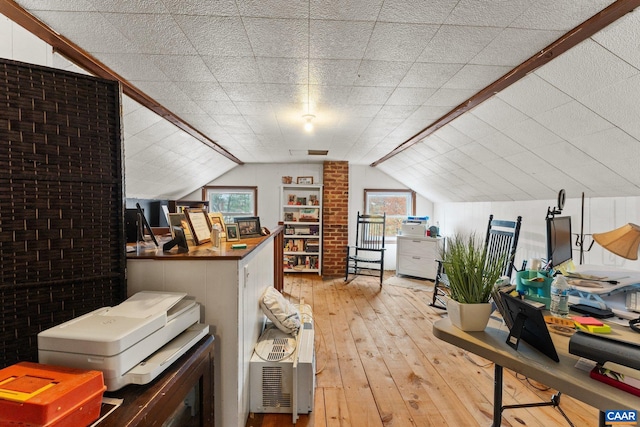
145	304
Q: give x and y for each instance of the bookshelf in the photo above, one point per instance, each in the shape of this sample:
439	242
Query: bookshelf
302	219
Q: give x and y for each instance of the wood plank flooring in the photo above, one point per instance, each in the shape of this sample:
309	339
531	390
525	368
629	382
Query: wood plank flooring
378	364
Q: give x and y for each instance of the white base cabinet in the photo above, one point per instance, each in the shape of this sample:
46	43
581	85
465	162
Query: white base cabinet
416	256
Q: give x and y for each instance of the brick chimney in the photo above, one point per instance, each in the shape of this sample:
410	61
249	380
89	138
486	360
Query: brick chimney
335	217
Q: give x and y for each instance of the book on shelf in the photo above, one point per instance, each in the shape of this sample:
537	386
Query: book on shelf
626	382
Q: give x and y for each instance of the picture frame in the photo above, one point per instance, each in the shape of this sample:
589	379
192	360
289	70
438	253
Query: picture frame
232	233
248	226
288	216
217	218
291	199
175	220
304	180
199	224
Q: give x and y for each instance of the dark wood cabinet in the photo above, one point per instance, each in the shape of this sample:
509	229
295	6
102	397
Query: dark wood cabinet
180	396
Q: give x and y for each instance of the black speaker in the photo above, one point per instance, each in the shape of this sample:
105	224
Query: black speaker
131	225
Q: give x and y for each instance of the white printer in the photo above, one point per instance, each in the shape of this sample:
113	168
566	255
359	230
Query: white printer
131	343
415	226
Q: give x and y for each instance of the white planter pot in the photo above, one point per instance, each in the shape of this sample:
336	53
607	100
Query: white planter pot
469	317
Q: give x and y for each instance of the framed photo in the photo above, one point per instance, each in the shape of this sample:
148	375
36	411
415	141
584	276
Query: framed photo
249	226
175	220
288	216
304	180
217	218
232	233
291	199
301	201
199	224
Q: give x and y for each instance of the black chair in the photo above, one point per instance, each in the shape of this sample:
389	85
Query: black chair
502	239
367	255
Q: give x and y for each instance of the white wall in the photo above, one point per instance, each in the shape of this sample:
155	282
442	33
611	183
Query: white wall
600	215
18	44
268	178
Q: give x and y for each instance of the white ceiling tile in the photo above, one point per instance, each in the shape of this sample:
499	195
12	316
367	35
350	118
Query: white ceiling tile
146	32
615	149
489	14
618	104
615	38
185	68
273	8
457	44
381	73
369	95
333	72
532	95
555	15
218	107
472	126
474	76
282	38
429	75
504	48
498	113
398	42
449	97
97	33
339	39
452	136
598	67
231	69
215	35
572	120
199	7
501	144
203	91
531	135
347	10
416	11
244	73
245	91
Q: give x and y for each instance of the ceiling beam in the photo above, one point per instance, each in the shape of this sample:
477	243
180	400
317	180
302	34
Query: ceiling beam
578	34
84	60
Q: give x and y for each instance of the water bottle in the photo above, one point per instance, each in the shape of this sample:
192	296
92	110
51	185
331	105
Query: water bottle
559	297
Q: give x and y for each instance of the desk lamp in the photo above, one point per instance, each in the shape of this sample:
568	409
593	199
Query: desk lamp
622	241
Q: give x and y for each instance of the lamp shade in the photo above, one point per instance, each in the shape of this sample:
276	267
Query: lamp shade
622	241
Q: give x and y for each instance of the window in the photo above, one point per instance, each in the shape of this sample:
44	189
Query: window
397	204
232	202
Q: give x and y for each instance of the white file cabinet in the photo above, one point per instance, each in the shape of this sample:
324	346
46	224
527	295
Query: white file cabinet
417	256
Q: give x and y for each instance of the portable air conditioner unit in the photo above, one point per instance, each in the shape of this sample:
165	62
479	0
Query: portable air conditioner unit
282	372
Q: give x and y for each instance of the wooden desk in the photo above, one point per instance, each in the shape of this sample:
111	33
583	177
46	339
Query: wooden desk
562	376
162	399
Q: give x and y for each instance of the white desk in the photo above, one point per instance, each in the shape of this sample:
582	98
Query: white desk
562	376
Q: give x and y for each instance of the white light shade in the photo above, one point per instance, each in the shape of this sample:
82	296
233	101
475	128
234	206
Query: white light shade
308	126
622	241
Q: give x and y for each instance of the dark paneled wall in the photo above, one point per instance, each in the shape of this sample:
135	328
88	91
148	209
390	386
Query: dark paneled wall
61	201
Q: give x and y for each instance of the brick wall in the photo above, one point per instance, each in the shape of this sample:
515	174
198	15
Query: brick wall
335	217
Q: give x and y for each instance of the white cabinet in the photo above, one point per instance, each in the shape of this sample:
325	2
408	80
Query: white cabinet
302	218
416	256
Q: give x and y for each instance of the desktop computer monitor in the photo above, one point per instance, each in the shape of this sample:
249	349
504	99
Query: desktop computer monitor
559	248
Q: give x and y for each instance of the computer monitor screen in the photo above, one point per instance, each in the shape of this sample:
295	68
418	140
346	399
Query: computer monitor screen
558	240
526	323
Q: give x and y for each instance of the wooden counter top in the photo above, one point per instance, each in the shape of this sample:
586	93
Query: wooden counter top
204	251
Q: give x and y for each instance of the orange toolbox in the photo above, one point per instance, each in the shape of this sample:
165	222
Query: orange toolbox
34	395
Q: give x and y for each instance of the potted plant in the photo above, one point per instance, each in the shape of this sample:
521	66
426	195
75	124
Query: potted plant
471	281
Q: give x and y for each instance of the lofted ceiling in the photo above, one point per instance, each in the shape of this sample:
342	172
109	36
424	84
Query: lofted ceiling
373	74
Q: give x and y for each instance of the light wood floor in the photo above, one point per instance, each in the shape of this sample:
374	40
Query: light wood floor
379	364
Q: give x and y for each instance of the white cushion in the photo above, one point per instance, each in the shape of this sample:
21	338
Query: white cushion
281	312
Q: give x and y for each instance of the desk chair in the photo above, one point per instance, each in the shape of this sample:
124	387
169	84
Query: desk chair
502	239
367	255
